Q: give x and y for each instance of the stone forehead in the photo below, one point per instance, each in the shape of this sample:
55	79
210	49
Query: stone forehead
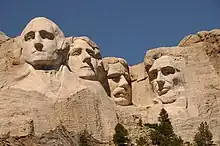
113	60
162	62
85	39
81	41
113	64
42	23
116	68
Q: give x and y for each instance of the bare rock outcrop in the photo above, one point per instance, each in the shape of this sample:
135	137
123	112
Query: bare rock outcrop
141	90
3	37
211	37
40	90
199	99
24	113
55	89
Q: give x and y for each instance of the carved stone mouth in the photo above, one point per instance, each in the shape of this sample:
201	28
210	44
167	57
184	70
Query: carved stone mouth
38	51
86	67
163	91
120	93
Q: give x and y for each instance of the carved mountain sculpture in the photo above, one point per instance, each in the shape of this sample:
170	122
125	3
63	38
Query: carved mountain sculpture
54	88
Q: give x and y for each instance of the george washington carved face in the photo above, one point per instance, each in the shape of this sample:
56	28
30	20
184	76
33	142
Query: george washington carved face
42	42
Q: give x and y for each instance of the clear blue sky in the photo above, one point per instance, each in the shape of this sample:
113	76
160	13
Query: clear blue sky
122	28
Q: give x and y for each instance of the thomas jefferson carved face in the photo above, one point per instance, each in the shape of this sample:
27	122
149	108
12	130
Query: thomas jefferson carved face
164	77
42	41
82	59
119	80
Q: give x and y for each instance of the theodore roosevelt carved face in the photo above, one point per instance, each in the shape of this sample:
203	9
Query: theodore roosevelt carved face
119	80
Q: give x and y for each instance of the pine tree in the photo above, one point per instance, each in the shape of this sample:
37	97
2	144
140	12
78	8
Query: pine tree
120	138
165	126
203	137
142	141
86	139
162	133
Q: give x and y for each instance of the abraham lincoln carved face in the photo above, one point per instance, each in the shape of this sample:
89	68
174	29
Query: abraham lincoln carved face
165	78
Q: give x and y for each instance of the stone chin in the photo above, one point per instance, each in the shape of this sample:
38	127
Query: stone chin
39	62
87	74
169	97
41	56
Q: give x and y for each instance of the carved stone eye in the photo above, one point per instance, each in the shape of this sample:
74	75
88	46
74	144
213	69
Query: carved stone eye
90	52
46	35
76	52
167	70
152	75
30	35
115	77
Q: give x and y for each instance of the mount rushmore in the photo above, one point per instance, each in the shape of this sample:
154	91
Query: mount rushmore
48	80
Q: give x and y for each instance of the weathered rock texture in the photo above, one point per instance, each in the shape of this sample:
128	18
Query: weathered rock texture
39	93
24	113
58	99
211	37
201	90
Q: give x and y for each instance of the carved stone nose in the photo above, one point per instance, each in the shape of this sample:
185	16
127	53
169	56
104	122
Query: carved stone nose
160	84
123	82
87	59
38	46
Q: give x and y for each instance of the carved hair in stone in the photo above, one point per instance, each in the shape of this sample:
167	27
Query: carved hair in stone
43	44
119	80
164	77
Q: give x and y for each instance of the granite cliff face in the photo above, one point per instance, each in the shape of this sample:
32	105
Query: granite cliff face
199	99
54	88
